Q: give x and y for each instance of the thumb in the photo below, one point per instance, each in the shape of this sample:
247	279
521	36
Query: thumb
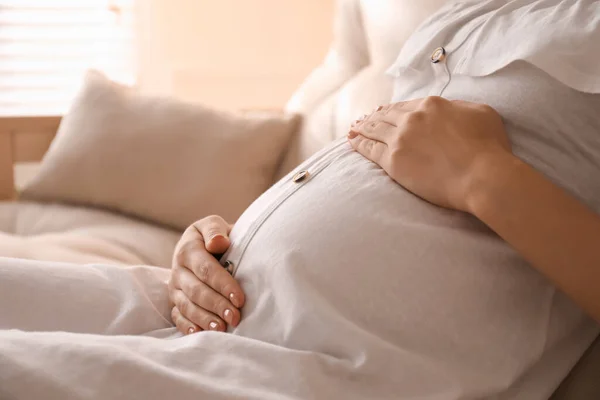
218	244
215	233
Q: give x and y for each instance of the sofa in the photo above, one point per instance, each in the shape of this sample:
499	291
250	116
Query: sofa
36	224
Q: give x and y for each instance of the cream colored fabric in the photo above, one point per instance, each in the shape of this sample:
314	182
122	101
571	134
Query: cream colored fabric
235	363
52	232
159	159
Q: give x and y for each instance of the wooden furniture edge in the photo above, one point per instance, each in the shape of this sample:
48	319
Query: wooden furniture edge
22	139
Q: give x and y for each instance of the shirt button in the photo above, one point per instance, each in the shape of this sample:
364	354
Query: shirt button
228	267
300	176
438	55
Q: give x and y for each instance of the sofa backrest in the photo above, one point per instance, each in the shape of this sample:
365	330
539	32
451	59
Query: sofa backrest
368	36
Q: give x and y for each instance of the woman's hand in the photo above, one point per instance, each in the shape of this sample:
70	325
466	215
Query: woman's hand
434	147
204	295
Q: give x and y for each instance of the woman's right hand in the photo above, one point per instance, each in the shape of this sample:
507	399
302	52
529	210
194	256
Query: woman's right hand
203	294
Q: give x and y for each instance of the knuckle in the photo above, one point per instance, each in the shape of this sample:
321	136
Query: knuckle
211	220
488	109
220	282
203	271
213	230
204	299
183	305
180	256
182	326
396	153
415	117
432	101
397	143
370	126
172	292
213	302
178	324
229	287
383	109
171	282
368	145
190	246
396	106
183	251
196	291
191	228
221	305
209	301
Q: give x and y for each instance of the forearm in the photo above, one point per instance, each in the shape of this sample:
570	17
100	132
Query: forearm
555	232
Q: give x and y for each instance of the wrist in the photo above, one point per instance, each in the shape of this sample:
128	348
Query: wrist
490	177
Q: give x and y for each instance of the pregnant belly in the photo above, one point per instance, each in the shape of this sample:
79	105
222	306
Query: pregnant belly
354	266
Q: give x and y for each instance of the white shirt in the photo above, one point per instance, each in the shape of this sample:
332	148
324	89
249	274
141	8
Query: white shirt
358	289
558	36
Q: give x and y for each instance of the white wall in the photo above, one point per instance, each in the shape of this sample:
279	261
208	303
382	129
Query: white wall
232	53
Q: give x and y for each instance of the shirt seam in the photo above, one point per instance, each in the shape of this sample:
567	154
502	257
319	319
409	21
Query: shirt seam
275	205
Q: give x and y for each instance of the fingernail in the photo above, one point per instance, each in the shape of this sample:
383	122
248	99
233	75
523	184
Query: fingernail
191	331
352	135
216	236
379	108
228	315
213	326
234	300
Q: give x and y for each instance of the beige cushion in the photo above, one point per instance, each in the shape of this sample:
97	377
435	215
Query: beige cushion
157	158
52	232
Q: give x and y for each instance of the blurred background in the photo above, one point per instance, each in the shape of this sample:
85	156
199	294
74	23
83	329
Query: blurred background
233	54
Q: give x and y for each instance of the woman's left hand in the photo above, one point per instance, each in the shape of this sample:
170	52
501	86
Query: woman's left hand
434	147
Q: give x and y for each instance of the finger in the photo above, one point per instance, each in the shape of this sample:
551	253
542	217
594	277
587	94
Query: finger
208	270
197	315
205	297
393	113
215	233
372	120
359	120
183	324
372	149
377	130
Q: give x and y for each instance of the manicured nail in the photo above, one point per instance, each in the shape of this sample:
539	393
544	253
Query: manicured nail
191	331
213	326
234	300
352	135
228	315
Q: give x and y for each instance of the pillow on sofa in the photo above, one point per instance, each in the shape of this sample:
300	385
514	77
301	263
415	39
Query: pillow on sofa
159	159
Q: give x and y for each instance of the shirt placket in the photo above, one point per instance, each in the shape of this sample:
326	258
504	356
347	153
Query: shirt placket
282	191
441	72
440	56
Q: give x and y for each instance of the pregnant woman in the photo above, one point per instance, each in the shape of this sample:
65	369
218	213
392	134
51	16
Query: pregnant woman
415	259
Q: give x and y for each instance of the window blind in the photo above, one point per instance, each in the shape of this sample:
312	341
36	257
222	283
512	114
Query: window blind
46	46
